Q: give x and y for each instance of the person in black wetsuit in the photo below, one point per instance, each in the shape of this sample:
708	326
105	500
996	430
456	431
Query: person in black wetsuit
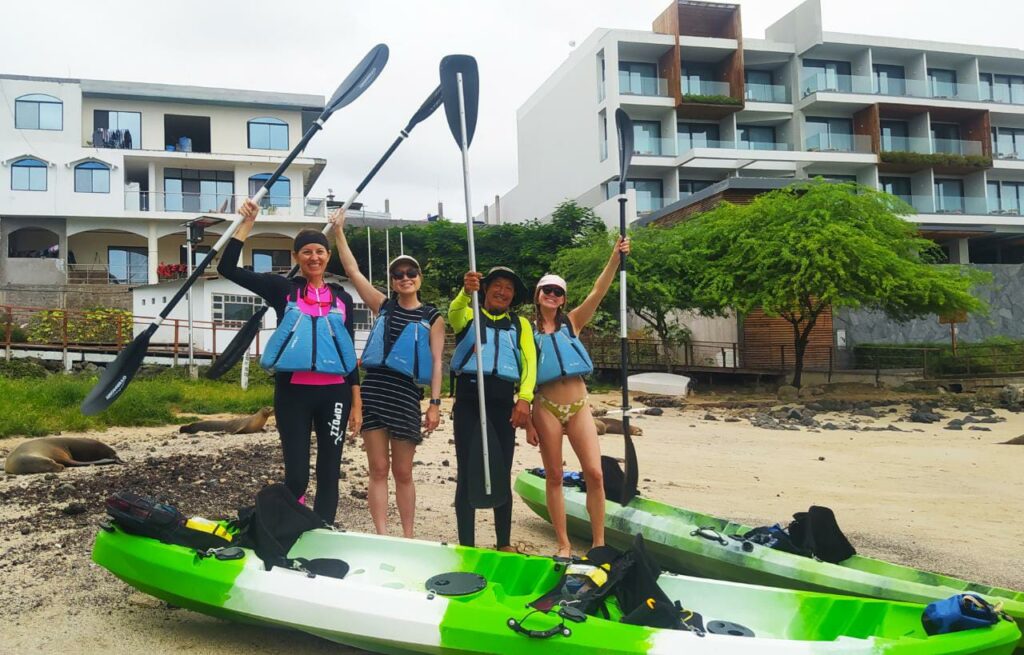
304	400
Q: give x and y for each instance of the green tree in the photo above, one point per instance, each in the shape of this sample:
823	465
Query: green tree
659	280
798	250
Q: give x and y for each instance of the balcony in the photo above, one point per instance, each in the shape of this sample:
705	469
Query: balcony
927	146
707	91
646	202
687	143
1008	151
638	85
763	145
903	88
859	143
654	147
766	93
213	203
925	204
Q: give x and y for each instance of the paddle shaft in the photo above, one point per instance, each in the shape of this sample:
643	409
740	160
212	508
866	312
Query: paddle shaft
475	295
623	334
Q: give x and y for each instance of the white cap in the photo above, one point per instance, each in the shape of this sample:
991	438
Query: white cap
403	259
551	280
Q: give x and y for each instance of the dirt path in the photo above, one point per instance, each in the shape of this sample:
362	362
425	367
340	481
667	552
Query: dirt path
945	500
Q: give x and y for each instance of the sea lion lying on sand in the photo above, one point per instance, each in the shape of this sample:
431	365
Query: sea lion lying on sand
614	426
241	425
52	454
1016	441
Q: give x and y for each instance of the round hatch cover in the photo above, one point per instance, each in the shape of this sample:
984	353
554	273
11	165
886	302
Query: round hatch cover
456	583
728	628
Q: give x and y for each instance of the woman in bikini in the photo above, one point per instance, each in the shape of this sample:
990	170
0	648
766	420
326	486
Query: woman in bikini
561	404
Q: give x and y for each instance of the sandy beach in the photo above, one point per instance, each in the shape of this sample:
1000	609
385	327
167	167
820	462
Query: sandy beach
946	500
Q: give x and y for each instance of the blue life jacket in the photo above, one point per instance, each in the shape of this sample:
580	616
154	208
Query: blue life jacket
561	354
301	342
409	354
499	341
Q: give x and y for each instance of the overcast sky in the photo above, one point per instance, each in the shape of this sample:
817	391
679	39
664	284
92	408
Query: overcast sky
308	47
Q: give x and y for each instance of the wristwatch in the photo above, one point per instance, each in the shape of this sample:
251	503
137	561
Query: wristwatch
435	401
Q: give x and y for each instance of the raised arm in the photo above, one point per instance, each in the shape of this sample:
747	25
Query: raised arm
371	296
580	316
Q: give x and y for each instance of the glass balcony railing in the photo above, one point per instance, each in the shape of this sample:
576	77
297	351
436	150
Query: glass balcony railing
687	143
694	87
928	146
940	204
647	202
654	147
638	85
1008	151
766	92
213	203
838	143
824	82
762	145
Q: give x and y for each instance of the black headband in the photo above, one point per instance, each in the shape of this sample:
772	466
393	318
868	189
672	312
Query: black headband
307	238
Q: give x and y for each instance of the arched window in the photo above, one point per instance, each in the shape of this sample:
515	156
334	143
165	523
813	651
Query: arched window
268	134
92	177
28	175
33	242
280	193
38	111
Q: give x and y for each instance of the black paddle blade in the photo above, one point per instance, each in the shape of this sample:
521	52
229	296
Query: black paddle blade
501	485
117	375
428	107
631	472
451	67
360	79
624	127
238	346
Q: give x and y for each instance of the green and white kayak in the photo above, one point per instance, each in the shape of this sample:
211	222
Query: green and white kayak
384	603
668	530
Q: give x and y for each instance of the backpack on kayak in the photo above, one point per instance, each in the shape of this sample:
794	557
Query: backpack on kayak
146	517
273	526
817	531
959	612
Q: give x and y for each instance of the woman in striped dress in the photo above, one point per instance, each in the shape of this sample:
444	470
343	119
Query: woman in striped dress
391	400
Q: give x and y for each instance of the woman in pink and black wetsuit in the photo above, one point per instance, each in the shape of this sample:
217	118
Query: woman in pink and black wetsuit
307	399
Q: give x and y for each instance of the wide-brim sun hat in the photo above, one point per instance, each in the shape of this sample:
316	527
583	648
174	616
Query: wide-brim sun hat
522	294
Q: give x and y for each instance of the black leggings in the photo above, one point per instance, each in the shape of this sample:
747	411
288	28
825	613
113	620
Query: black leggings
299	407
466	421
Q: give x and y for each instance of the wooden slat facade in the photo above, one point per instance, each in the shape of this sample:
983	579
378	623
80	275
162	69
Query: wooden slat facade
768	341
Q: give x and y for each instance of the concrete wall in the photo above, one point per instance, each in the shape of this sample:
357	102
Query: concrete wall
1006	317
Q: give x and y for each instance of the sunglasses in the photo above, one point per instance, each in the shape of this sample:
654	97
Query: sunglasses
557	292
412	274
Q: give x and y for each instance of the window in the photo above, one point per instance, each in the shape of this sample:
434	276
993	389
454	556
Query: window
889	80
92	177
128	264
760	87
697	135
1008	142
602	134
198	191
895	136
362	319
834	134
600	76
825	75
647	138
268	134
280	194
699	79
638	79
33	242
271	261
1002	88
756	137
233	310
648	194
689	187
1005	197
942	82
28	175
946	138
198	254
897	186
117	129
949	196
38	111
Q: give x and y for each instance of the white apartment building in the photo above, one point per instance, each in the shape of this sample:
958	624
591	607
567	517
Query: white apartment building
939	124
98	177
